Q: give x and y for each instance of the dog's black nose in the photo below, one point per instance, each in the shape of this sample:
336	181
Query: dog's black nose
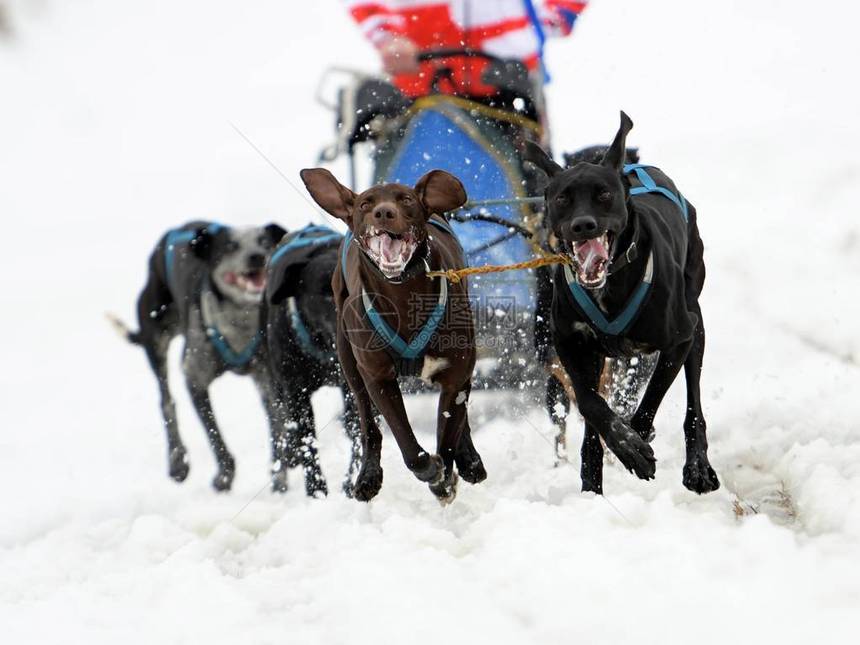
584	225
383	211
256	261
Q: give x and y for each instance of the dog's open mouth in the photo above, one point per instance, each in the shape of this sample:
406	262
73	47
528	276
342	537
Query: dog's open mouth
591	260
390	252
249	281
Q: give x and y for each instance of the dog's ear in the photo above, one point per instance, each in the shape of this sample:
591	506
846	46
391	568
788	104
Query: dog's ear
440	192
286	276
632	155
282	282
334	198
275	232
538	156
202	245
614	157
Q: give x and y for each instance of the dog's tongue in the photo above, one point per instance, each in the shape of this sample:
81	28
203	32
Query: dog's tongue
230	278
257	279
390	248
591	255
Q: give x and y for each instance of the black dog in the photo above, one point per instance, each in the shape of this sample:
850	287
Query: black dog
301	330
632	286
206	283
623	377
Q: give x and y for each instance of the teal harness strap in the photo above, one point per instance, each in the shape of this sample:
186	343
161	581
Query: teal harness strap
227	354
303	335
309	235
650	186
415	348
623	320
407	356
174	239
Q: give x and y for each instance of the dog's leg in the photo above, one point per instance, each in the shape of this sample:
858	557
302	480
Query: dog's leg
558	407
352	428
584	365
591	452
698	476
451	419
301	426
273	401
199	392
469	462
668	366
386	396
177	460
369	479
156	317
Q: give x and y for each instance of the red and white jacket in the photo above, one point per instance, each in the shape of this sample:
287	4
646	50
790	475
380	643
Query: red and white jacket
503	28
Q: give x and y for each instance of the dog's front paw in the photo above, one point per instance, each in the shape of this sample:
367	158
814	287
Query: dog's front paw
367	484
223	480
470	466
315	483
632	451
445	490
429	468
471	470
279	480
699	477
178	466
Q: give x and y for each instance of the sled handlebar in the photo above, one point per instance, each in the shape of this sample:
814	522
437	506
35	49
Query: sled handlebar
452	52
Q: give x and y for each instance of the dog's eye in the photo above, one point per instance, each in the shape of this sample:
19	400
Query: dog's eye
407	200
231	247
364	206
562	200
604	197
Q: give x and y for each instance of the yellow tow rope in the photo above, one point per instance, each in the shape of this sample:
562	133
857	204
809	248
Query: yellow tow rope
455	275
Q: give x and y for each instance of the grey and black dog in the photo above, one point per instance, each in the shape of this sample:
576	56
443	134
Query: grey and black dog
206	283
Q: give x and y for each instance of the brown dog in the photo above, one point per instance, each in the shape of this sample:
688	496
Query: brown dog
394	320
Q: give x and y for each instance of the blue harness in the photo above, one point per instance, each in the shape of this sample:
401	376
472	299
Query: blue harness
621	323
310	235
235	359
227	354
408	357
650	186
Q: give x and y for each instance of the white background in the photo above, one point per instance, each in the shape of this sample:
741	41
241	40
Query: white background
115	124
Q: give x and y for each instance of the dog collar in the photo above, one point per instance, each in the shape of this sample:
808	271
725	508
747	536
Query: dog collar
632	251
628	314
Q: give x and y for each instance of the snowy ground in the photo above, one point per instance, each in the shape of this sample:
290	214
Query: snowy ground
115	123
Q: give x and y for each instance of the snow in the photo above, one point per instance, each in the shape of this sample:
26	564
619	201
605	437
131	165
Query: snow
118	120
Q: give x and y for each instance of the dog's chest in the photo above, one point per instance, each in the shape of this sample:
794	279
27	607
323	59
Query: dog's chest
222	329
